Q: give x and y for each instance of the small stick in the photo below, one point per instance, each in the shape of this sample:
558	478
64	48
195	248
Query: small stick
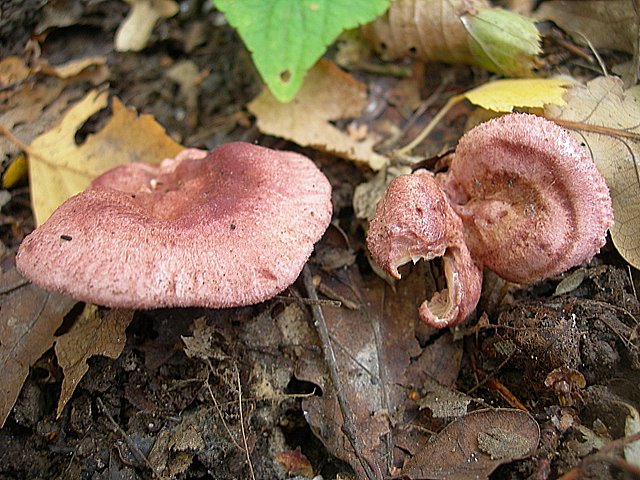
348	426
132	446
244	436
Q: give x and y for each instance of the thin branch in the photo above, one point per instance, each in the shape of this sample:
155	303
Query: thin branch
348	425
244	436
132	446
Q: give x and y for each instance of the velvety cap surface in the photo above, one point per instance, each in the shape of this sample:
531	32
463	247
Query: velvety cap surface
414	221
531	198
227	228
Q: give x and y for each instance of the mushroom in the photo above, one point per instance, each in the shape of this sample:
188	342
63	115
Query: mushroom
531	199
414	221
227	228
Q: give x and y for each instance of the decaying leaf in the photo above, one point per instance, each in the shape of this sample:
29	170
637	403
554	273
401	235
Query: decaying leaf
29	109
605	118
474	445
295	462
133	34
59	168
612	24
632	427
457	31
373	345
442	401
367	194
29	318
94	333
327	94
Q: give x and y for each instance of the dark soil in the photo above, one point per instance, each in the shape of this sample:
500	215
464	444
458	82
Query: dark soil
571	359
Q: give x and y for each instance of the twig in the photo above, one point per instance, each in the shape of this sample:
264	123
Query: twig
348	426
217	406
132	446
308	301
244	437
430	126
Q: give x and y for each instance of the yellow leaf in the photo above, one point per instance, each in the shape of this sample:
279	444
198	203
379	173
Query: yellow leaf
606	118
327	94
16	171
59	168
505	95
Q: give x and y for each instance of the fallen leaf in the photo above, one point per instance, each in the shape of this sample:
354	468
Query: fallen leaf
74	67
15	172
605	118
506	94
12	70
373	346
601	25
367	194
33	106
295	463
59	168
442	401
287	38
612	24
632	427
134	32
29	318
328	94
94	332
474	445
468	31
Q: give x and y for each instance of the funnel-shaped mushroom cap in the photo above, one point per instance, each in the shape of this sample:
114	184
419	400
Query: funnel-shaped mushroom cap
231	227
531	199
414	221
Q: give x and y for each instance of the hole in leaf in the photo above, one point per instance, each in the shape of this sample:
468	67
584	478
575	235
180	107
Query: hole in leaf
285	76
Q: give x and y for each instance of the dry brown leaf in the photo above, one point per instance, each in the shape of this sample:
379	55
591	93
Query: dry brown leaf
328	94
431	30
612	24
74	67
34	106
59	168
374	346
94	333
473	446
607	119
367	194
29	318
457	31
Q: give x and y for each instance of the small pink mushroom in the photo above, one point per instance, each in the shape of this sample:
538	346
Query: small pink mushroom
227	228
531	199
414	221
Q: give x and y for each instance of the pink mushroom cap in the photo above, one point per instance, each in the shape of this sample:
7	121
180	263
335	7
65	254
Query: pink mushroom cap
414	221
227	228
531	199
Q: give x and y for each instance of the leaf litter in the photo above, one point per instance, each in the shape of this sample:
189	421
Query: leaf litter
264	362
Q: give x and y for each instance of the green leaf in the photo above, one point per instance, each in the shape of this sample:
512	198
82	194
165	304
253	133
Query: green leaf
503	41
287	37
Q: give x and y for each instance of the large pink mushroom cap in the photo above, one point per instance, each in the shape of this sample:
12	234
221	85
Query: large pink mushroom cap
414	221
221	229
531	198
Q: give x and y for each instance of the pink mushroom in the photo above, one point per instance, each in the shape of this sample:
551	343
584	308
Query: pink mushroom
414	221
227	228
531	199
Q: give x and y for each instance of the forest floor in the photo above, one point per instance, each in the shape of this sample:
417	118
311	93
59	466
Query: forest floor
245	392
